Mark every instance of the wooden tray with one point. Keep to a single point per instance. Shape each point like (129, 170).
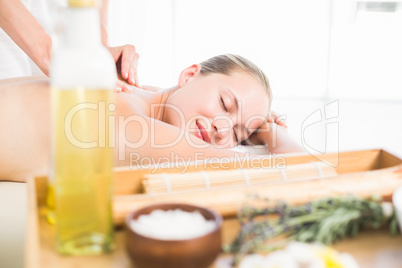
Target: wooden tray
(371, 171)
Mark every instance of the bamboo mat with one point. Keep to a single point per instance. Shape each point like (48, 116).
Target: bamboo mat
(179, 182)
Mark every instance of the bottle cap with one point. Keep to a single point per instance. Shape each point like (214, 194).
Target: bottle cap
(83, 3)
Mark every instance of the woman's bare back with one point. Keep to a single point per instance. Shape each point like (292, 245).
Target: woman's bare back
(24, 123)
(25, 136)
(25, 132)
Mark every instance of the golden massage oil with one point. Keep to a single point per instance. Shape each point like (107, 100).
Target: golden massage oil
(82, 170)
(82, 76)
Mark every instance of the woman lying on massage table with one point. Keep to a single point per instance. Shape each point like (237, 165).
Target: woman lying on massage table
(218, 104)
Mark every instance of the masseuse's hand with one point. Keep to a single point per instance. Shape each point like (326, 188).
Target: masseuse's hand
(126, 59)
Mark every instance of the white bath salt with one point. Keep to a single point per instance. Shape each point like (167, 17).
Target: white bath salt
(172, 224)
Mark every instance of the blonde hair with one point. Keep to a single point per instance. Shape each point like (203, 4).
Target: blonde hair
(228, 63)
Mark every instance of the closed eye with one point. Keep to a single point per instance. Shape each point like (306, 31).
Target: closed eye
(226, 110)
(223, 105)
(236, 138)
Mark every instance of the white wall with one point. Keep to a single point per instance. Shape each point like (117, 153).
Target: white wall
(314, 52)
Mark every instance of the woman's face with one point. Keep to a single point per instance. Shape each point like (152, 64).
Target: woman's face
(220, 109)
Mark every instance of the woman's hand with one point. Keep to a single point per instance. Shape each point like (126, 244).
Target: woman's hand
(126, 59)
(277, 119)
(276, 138)
(262, 135)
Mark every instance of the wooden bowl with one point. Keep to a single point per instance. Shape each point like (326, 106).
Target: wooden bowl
(198, 252)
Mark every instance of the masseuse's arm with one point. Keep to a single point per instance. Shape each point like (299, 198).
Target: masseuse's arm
(26, 32)
(29, 35)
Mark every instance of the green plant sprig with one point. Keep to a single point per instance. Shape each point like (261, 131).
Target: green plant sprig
(326, 221)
